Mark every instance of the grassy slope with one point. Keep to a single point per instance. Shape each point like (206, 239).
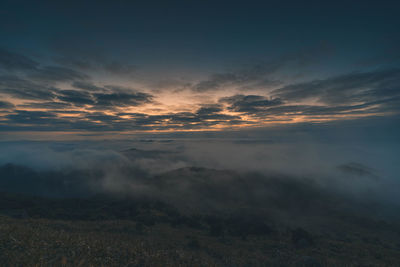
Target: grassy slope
(44, 242)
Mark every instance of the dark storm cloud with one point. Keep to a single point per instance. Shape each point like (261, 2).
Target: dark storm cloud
(348, 88)
(12, 61)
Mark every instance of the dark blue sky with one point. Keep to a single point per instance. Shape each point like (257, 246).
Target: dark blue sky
(239, 63)
(203, 34)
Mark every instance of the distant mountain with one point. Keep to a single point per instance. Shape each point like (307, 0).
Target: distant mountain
(193, 190)
(140, 153)
(71, 183)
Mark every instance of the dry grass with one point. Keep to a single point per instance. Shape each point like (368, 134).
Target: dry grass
(42, 242)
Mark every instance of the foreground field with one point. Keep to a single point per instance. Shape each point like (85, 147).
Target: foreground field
(43, 242)
(198, 217)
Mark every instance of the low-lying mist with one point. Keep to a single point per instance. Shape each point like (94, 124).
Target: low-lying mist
(276, 172)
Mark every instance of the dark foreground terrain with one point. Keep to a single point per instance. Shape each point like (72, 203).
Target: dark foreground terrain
(119, 232)
(189, 217)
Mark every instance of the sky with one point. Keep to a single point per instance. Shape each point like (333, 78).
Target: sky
(302, 90)
(122, 67)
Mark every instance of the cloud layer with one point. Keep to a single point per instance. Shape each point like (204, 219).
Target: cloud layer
(61, 96)
(280, 171)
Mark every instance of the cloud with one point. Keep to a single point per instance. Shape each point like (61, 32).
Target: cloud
(263, 74)
(94, 61)
(122, 99)
(209, 109)
(348, 88)
(57, 74)
(32, 117)
(99, 116)
(24, 120)
(75, 97)
(107, 97)
(365, 93)
(99, 121)
(256, 73)
(13, 62)
(358, 169)
(47, 105)
(86, 86)
(24, 89)
(6, 105)
(207, 116)
(33, 82)
(264, 107)
(357, 94)
(10, 61)
(310, 110)
(293, 171)
(204, 117)
(250, 103)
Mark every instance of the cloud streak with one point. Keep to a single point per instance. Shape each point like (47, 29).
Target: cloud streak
(349, 88)
(52, 96)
